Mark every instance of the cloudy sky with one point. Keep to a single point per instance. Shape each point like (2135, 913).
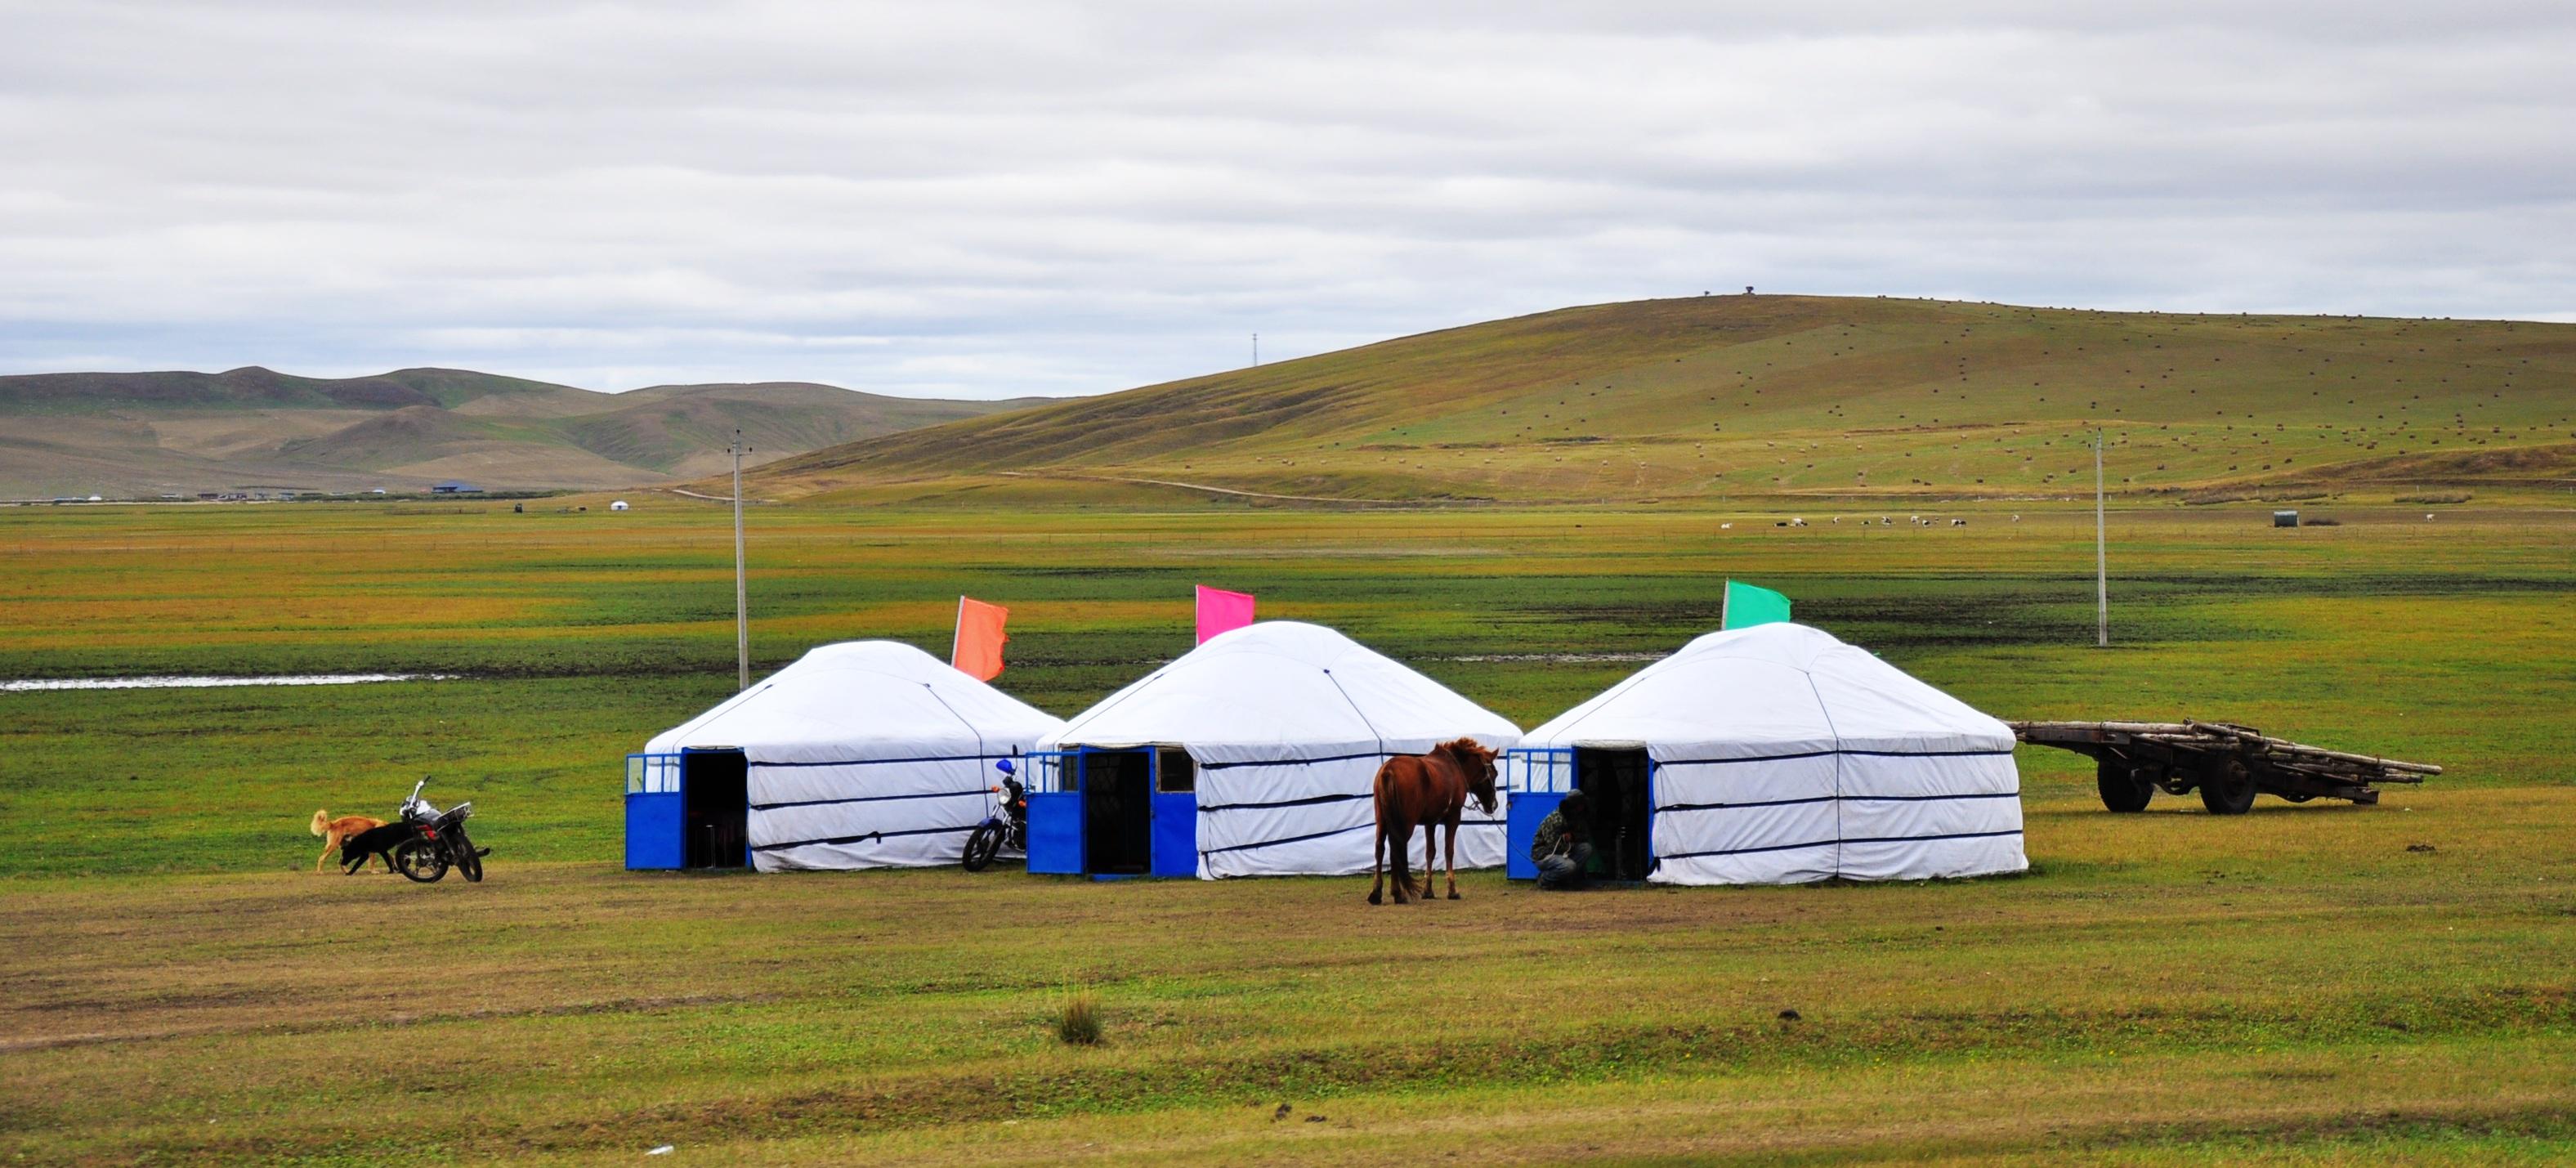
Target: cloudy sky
(992, 199)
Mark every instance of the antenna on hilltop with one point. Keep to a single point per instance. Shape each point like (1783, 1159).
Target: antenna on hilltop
(1256, 350)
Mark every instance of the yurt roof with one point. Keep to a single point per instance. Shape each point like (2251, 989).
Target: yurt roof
(1773, 689)
(863, 700)
(1280, 689)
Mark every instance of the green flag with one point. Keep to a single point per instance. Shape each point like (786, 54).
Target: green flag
(1747, 606)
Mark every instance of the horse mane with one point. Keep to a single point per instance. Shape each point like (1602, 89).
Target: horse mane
(1461, 749)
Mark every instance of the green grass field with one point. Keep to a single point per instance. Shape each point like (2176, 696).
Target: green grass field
(2296, 985)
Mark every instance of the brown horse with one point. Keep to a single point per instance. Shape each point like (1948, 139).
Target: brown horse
(1427, 791)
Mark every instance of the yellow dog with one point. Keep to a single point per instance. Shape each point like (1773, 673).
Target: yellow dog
(333, 831)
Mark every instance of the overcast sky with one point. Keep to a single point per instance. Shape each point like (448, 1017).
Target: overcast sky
(972, 199)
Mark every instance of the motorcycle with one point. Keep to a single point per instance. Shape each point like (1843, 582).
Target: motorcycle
(438, 841)
(1010, 829)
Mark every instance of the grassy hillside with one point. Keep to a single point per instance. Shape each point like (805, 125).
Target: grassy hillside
(252, 387)
(122, 434)
(1772, 395)
(683, 429)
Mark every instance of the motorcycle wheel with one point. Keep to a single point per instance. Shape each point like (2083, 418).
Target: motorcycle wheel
(466, 861)
(420, 860)
(982, 846)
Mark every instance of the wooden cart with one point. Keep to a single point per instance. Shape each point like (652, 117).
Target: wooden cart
(2228, 764)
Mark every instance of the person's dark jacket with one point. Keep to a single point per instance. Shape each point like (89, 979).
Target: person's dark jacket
(1555, 834)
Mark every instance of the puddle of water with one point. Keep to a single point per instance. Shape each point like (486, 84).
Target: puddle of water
(213, 682)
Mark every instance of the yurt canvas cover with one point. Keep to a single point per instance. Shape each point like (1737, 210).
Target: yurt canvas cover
(1284, 725)
(1780, 754)
(860, 755)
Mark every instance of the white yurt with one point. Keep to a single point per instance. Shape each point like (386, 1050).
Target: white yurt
(1777, 754)
(1251, 755)
(863, 754)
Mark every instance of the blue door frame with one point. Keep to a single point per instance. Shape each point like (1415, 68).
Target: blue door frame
(1056, 816)
(1176, 828)
(1538, 778)
(653, 800)
(657, 787)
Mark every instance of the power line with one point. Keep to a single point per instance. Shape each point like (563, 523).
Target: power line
(741, 611)
(2101, 556)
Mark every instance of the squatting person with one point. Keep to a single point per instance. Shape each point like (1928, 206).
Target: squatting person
(1563, 846)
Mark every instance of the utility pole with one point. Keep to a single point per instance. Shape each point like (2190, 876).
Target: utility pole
(2101, 556)
(1256, 350)
(741, 612)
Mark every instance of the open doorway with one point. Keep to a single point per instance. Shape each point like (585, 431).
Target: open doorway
(1118, 811)
(1613, 781)
(715, 809)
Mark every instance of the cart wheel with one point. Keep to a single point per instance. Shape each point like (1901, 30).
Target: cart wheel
(2227, 788)
(420, 860)
(2124, 788)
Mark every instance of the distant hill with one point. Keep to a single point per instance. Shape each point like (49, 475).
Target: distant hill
(1791, 395)
(252, 387)
(123, 434)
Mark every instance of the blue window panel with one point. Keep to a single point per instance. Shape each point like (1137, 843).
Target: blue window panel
(653, 830)
(1176, 834)
(1055, 832)
(1521, 821)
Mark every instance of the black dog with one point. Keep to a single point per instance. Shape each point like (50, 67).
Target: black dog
(375, 841)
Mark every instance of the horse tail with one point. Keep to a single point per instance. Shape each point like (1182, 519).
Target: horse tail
(1377, 829)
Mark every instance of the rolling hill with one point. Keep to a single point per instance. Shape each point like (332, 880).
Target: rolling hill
(1791, 396)
(128, 434)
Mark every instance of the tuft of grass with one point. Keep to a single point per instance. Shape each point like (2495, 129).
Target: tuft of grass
(1079, 1025)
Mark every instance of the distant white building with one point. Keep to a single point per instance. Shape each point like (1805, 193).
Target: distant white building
(619, 505)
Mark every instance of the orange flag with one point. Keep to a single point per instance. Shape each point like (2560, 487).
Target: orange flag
(977, 651)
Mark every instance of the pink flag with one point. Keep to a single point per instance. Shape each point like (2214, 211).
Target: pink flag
(1221, 611)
